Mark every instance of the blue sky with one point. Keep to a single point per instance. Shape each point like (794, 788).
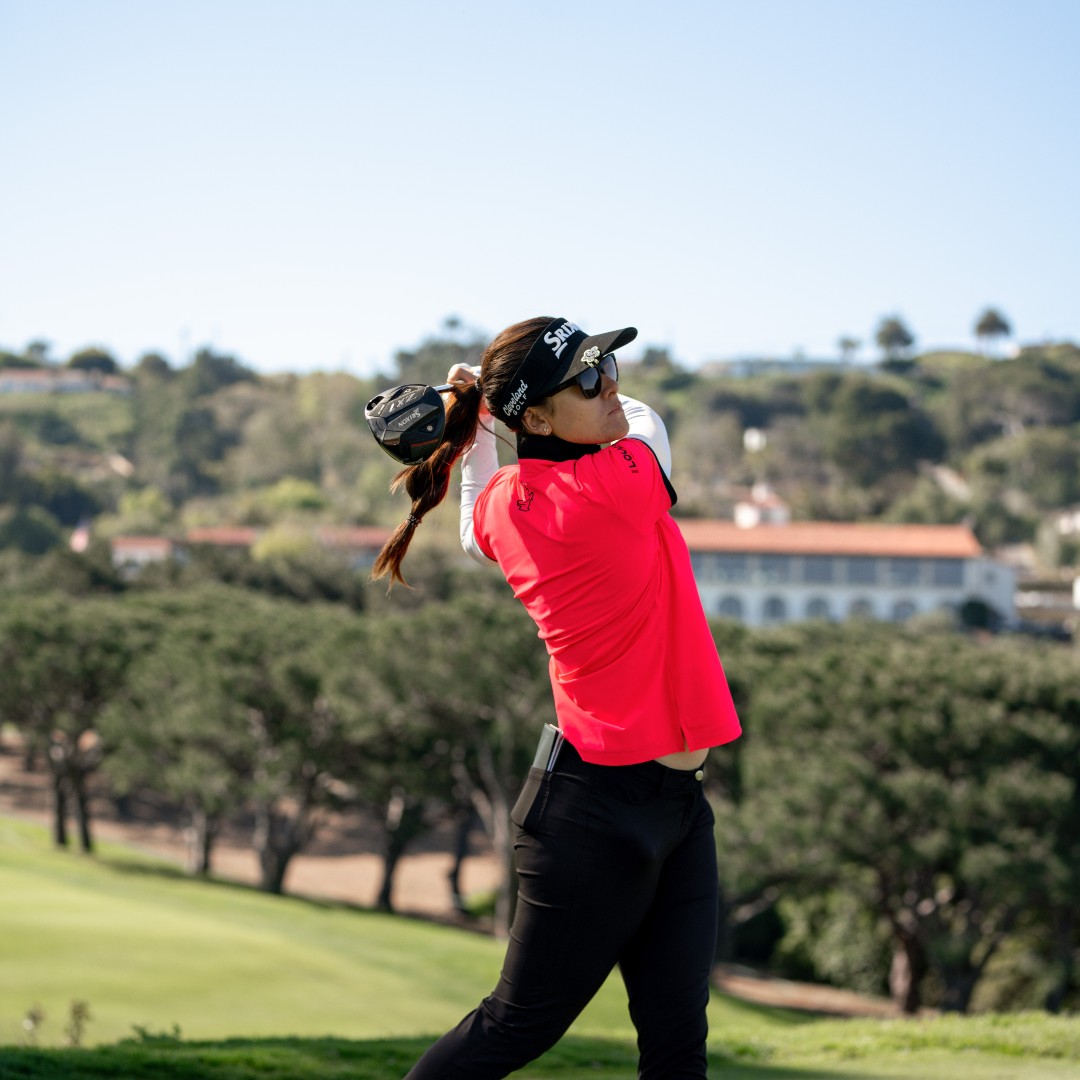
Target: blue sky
(314, 185)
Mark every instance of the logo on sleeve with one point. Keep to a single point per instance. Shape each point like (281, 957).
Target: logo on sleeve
(524, 505)
(627, 457)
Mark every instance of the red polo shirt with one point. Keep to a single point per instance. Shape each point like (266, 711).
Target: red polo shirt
(590, 549)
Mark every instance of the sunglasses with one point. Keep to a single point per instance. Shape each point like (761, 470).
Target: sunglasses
(590, 381)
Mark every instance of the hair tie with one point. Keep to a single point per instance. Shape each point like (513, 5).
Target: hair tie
(412, 520)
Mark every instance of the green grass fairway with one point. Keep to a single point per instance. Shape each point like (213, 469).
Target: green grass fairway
(278, 988)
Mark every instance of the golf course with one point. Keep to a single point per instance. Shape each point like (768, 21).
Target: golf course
(121, 966)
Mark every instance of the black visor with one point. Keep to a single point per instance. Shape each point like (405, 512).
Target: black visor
(562, 351)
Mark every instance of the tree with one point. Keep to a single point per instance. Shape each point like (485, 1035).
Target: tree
(242, 717)
(437, 354)
(210, 371)
(94, 360)
(921, 776)
(483, 681)
(11, 455)
(153, 365)
(167, 733)
(989, 326)
(894, 338)
(63, 665)
(397, 768)
(848, 347)
(871, 430)
(37, 352)
(14, 360)
(32, 530)
(1035, 389)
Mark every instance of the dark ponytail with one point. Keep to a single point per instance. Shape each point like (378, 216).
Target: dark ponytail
(426, 482)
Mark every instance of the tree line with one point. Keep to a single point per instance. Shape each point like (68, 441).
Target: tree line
(932, 437)
(902, 813)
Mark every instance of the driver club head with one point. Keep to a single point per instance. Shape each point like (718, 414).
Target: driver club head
(408, 421)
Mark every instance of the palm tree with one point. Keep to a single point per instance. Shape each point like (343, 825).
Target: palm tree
(991, 324)
(894, 338)
(848, 347)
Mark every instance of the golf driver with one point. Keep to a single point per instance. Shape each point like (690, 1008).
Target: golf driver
(408, 421)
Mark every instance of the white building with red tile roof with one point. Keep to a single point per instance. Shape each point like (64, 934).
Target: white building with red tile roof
(131, 553)
(772, 574)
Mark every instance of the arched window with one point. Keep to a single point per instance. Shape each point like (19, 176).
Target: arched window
(731, 607)
(817, 608)
(775, 609)
(861, 608)
(903, 609)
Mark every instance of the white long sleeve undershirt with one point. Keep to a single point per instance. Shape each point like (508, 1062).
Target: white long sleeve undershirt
(481, 461)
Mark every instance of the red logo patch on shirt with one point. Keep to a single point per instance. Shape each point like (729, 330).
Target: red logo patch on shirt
(524, 504)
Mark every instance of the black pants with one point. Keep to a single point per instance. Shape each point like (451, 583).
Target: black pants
(617, 866)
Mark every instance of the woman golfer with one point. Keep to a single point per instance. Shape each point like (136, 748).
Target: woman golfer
(614, 845)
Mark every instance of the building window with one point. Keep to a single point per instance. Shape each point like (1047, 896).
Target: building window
(774, 569)
(731, 607)
(862, 570)
(817, 608)
(775, 610)
(947, 572)
(861, 609)
(818, 569)
(903, 571)
(730, 567)
(903, 610)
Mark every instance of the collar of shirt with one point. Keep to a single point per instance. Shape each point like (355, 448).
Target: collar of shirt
(552, 448)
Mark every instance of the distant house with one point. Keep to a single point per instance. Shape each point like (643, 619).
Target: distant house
(60, 381)
(771, 574)
(762, 507)
(130, 554)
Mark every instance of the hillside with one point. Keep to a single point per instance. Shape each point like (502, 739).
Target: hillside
(940, 438)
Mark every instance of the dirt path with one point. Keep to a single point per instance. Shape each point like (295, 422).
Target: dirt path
(342, 863)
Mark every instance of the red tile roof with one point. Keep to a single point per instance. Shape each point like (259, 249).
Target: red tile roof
(833, 538)
(141, 543)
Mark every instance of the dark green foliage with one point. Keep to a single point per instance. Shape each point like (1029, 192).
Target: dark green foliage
(872, 430)
(430, 362)
(33, 530)
(312, 575)
(98, 360)
(932, 779)
(231, 708)
(63, 664)
(852, 443)
(894, 338)
(211, 371)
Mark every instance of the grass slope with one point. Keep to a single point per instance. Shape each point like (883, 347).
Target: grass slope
(282, 987)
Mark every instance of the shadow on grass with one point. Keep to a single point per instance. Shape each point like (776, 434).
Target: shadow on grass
(170, 872)
(166, 1058)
